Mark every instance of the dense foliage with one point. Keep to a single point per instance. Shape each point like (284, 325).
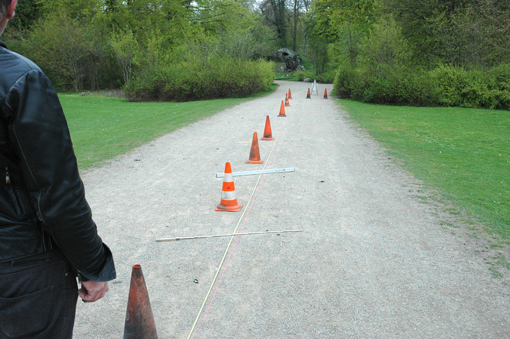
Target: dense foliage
(421, 52)
(217, 77)
(94, 44)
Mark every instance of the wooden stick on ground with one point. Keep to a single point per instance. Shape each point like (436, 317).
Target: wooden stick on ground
(222, 235)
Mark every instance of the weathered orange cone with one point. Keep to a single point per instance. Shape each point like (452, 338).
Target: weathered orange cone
(325, 93)
(286, 101)
(139, 318)
(228, 193)
(268, 135)
(282, 111)
(290, 95)
(254, 152)
(308, 95)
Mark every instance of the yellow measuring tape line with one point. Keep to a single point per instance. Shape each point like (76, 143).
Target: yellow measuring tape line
(232, 238)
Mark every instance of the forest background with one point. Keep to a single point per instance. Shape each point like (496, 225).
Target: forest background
(421, 52)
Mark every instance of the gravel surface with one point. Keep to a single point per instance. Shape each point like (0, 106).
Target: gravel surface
(373, 260)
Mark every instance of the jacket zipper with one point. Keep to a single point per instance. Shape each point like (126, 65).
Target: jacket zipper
(15, 200)
(7, 177)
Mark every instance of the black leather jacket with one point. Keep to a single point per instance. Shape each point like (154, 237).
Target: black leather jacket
(41, 193)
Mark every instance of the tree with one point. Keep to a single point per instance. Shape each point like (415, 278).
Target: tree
(468, 33)
(275, 14)
(495, 16)
(126, 51)
(419, 20)
(326, 16)
(298, 28)
(347, 46)
(27, 14)
(76, 9)
(384, 47)
(65, 49)
(319, 53)
(265, 38)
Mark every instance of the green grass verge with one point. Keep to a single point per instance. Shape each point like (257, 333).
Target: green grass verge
(463, 153)
(102, 128)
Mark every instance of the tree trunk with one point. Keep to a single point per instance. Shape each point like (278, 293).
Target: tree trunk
(304, 42)
(294, 34)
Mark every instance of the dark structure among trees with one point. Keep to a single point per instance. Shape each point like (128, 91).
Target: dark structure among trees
(292, 60)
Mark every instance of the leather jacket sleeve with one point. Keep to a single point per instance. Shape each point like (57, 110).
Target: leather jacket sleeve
(40, 137)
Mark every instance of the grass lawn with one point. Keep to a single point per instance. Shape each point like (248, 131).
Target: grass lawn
(463, 153)
(103, 128)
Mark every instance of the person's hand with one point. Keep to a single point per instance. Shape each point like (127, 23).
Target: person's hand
(91, 291)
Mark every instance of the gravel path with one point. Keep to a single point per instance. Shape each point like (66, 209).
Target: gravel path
(373, 261)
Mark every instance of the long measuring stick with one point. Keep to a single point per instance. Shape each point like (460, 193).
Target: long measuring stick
(222, 235)
(267, 171)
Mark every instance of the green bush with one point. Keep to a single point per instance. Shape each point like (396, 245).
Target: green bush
(384, 73)
(448, 81)
(392, 85)
(302, 75)
(444, 85)
(325, 78)
(474, 89)
(72, 51)
(200, 79)
(343, 84)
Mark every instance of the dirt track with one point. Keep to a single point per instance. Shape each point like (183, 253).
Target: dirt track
(372, 262)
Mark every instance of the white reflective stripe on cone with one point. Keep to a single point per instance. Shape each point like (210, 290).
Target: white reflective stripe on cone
(225, 195)
(228, 177)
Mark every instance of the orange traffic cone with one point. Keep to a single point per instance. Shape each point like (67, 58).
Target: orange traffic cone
(268, 135)
(286, 101)
(325, 93)
(308, 95)
(290, 95)
(282, 111)
(139, 318)
(254, 152)
(228, 193)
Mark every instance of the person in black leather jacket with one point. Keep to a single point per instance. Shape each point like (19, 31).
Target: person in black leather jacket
(47, 234)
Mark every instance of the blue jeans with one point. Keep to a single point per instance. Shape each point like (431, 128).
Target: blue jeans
(38, 297)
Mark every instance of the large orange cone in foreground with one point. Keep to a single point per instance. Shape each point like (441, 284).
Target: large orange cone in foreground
(286, 101)
(139, 318)
(290, 95)
(325, 93)
(268, 135)
(282, 111)
(254, 152)
(308, 95)
(228, 193)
